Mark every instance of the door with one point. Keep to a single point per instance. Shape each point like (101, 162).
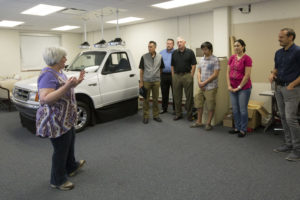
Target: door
(118, 82)
(90, 85)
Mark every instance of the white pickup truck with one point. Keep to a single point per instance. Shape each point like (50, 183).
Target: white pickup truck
(109, 90)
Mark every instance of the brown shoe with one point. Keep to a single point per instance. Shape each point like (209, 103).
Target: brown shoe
(196, 125)
(66, 186)
(208, 127)
(81, 163)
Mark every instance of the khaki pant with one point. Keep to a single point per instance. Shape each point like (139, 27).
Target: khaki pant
(154, 87)
(186, 82)
(207, 95)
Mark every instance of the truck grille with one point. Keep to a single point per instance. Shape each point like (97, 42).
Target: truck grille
(21, 94)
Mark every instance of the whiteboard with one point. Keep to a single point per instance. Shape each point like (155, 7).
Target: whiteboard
(32, 48)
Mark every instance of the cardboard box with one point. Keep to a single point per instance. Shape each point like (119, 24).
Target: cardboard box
(228, 120)
(256, 112)
(254, 118)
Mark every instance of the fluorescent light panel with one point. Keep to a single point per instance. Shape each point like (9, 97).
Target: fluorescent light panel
(178, 3)
(65, 28)
(7, 23)
(125, 20)
(42, 10)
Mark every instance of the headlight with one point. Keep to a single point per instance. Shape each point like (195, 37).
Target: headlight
(33, 96)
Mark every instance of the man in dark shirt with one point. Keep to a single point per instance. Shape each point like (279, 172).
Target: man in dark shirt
(183, 66)
(287, 78)
(151, 66)
(166, 76)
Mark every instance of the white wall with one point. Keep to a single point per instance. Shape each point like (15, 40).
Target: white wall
(10, 62)
(221, 31)
(194, 28)
(71, 42)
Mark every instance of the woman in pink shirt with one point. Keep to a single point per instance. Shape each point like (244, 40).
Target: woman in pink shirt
(239, 86)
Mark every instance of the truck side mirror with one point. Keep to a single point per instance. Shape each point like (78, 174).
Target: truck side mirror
(91, 69)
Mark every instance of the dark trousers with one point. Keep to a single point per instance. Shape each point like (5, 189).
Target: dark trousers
(63, 159)
(165, 85)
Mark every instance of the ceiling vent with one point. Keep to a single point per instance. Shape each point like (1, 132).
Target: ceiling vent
(73, 11)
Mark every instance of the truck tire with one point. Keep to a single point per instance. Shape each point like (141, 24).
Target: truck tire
(84, 116)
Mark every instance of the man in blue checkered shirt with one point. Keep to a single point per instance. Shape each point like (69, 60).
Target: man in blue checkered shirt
(208, 71)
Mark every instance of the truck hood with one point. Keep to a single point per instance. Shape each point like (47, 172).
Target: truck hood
(31, 83)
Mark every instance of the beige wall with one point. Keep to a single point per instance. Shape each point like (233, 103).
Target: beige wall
(10, 62)
(261, 40)
(10, 52)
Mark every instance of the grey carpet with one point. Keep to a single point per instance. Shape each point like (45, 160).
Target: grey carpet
(165, 161)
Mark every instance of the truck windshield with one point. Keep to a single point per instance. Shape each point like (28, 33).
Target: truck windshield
(87, 59)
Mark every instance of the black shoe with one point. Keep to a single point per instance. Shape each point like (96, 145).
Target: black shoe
(233, 131)
(283, 148)
(177, 118)
(157, 119)
(145, 120)
(242, 134)
(293, 156)
(163, 111)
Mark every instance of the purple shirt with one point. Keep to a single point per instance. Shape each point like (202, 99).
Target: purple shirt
(55, 119)
(48, 79)
(237, 70)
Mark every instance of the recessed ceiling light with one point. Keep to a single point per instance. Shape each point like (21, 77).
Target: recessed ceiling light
(42, 10)
(7, 23)
(65, 28)
(125, 20)
(178, 3)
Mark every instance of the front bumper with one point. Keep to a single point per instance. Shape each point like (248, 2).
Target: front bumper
(27, 114)
(27, 110)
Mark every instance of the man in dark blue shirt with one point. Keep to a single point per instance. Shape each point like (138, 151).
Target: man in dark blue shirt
(166, 76)
(287, 78)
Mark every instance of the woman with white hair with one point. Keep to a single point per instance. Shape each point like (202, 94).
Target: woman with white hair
(57, 116)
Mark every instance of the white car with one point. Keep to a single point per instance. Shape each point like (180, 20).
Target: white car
(109, 90)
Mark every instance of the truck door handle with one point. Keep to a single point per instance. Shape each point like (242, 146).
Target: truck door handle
(131, 75)
(92, 84)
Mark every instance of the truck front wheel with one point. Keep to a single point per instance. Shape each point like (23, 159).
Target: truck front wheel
(83, 116)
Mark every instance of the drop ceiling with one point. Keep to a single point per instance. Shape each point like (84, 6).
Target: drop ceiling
(11, 9)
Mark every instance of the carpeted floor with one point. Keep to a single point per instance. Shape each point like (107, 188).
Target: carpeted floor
(127, 160)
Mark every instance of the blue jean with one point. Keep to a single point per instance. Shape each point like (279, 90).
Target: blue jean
(63, 159)
(239, 101)
(287, 102)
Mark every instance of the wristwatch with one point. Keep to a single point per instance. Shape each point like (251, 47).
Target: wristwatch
(239, 87)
